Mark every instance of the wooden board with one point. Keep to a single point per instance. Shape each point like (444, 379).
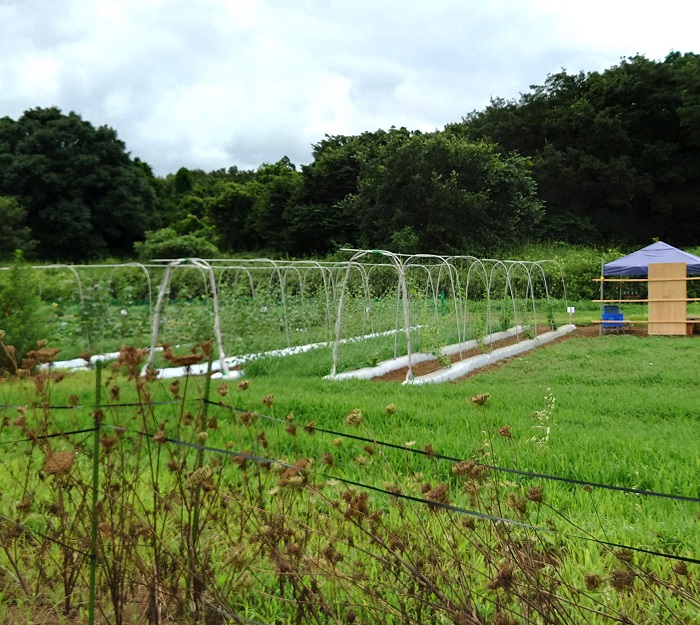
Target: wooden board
(667, 299)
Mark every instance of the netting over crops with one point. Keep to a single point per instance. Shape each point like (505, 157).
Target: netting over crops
(390, 304)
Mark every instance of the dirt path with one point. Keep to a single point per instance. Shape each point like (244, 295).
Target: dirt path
(423, 368)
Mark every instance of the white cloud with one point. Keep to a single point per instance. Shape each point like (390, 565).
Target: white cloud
(240, 82)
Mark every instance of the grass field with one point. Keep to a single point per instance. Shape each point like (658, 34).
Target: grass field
(205, 535)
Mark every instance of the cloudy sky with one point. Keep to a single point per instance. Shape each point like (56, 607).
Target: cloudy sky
(214, 83)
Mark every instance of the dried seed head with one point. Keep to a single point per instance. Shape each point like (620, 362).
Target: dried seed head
(279, 466)
(518, 504)
(392, 488)
(310, 427)
(592, 581)
(43, 354)
(223, 389)
(506, 431)
(481, 399)
(108, 442)
(248, 418)
(294, 481)
(331, 554)
(175, 389)
(182, 361)
(536, 493)
(354, 418)
(439, 493)
(244, 385)
(622, 579)
(242, 460)
(114, 393)
(328, 459)
(268, 400)
(199, 475)
(681, 568)
(337, 442)
(504, 577)
(59, 463)
(202, 437)
(390, 408)
(159, 437)
(500, 618)
(624, 555)
(468, 468)
(105, 529)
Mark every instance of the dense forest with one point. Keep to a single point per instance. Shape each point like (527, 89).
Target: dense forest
(590, 158)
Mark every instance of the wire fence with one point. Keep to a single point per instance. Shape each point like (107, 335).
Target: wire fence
(141, 515)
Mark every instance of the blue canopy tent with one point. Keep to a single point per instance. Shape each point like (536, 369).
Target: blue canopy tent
(637, 263)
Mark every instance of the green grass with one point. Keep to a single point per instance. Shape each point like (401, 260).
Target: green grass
(625, 414)
(625, 407)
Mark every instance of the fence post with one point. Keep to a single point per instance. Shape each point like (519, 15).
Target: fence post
(197, 585)
(95, 488)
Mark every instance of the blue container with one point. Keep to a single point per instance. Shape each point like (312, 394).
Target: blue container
(613, 320)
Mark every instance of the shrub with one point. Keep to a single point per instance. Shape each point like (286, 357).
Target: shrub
(22, 317)
(166, 243)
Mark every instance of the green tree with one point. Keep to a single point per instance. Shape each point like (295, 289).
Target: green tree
(276, 190)
(320, 222)
(229, 213)
(616, 155)
(85, 197)
(15, 234)
(440, 193)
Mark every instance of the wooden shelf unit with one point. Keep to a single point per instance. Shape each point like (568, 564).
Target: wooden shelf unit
(667, 300)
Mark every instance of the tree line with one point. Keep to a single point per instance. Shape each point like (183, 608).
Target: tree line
(588, 158)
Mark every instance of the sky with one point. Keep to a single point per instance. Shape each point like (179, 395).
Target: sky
(210, 84)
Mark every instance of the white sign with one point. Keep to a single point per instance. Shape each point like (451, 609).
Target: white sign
(571, 310)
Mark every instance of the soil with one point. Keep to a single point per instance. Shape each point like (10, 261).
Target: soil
(423, 368)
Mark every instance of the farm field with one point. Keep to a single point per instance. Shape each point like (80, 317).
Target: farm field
(297, 499)
(556, 487)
